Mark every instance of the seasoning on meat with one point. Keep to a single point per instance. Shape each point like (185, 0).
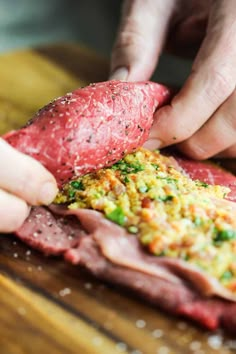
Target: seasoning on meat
(91, 127)
(172, 215)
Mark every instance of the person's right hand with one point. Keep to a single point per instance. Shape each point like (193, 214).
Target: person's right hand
(201, 118)
(23, 182)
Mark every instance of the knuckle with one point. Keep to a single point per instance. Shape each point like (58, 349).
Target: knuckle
(193, 150)
(219, 85)
(131, 38)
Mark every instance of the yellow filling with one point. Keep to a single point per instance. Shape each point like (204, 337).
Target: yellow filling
(171, 214)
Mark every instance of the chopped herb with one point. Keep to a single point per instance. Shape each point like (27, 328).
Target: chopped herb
(98, 194)
(133, 229)
(125, 167)
(166, 198)
(117, 215)
(227, 275)
(186, 257)
(126, 179)
(198, 221)
(224, 235)
(155, 166)
(201, 184)
(77, 185)
(168, 179)
(161, 254)
(71, 193)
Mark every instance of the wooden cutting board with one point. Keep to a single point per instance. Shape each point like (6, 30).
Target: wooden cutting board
(46, 305)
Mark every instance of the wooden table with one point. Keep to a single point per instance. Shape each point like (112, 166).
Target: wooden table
(46, 305)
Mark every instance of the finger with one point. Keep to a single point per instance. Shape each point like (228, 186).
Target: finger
(212, 81)
(13, 211)
(218, 134)
(140, 39)
(25, 177)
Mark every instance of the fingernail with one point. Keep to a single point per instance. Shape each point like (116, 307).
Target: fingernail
(152, 144)
(119, 74)
(48, 193)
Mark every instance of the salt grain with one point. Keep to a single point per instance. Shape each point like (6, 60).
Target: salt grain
(215, 341)
(140, 323)
(157, 333)
(64, 292)
(121, 346)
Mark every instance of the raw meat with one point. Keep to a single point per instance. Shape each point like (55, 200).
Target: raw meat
(91, 127)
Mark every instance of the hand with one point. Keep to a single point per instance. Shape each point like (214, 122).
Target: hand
(23, 182)
(201, 118)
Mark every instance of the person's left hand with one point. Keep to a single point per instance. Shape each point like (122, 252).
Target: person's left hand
(201, 118)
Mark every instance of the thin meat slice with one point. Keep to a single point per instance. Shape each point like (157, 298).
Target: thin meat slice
(125, 250)
(117, 245)
(183, 300)
(52, 234)
(91, 127)
(153, 289)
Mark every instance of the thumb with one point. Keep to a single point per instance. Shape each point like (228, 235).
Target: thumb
(140, 38)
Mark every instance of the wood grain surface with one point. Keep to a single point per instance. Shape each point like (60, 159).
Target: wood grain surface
(49, 306)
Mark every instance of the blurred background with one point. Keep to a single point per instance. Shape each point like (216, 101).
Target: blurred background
(30, 23)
